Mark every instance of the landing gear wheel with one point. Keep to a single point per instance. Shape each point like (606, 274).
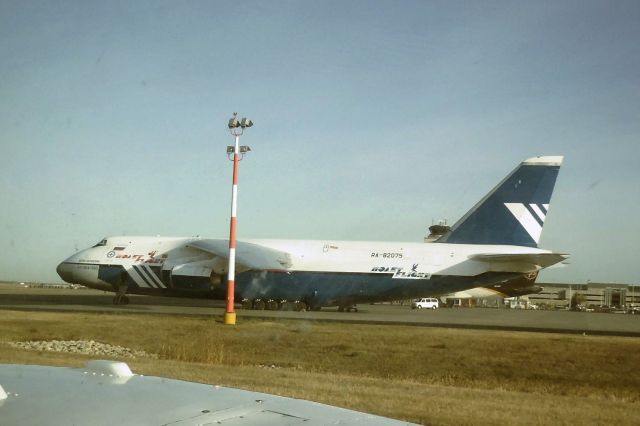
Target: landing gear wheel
(247, 304)
(272, 305)
(258, 305)
(315, 308)
(300, 306)
(120, 300)
(286, 306)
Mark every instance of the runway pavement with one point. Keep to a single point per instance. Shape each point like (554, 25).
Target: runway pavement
(85, 300)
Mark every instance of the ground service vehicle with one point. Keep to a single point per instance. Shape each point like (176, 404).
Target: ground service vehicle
(426, 303)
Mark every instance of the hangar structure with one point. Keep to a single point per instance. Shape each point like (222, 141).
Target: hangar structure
(558, 295)
(610, 295)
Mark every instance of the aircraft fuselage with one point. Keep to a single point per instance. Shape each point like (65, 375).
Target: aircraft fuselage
(320, 273)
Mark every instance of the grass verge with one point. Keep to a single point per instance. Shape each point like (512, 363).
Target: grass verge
(423, 375)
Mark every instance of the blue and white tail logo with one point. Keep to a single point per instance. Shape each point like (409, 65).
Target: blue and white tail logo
(531, 217)
(513, 213)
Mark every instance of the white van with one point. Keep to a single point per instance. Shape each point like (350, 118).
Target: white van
(425, 302)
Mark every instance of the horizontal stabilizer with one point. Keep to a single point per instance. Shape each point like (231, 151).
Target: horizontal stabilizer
(519, 262)
(251, 256)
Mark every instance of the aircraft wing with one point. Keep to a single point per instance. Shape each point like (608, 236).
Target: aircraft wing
(108, 393)
(519, 262)
(249, 255)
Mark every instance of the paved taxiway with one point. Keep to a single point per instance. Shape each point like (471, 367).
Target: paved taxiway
(15, 297)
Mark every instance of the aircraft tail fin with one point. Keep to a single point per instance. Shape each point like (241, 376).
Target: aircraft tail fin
(513, 213)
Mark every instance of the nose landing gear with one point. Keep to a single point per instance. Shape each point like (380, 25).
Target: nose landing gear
(120, 297)
(121, 300)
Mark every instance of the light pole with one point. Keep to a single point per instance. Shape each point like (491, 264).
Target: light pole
(236, 127)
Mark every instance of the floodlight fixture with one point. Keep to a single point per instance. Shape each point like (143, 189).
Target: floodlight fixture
(230, 149)
(233, 121)
(237, 126)
(244, 149)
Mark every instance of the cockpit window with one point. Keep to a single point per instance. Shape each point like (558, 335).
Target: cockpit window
(101, 243)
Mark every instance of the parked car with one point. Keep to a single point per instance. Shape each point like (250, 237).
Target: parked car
(425, 302)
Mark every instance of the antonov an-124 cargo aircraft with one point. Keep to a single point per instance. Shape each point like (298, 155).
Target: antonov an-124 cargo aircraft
(495, 242)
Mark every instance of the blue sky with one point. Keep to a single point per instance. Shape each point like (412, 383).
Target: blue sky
(372, 120)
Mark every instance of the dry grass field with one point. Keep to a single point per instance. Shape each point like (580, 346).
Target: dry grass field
(423, 375)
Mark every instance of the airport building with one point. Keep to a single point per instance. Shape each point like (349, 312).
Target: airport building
(555, 296)
(610, 295)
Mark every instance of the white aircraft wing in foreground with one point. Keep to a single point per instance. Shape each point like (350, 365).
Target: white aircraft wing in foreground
(108, 393)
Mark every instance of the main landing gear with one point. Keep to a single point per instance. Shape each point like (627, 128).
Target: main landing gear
(274, 305)
(288, 305)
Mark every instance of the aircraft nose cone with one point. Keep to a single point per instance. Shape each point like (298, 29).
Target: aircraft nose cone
(64, 270)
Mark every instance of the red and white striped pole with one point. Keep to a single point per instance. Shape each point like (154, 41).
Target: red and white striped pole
(237, 128)
(230, 314)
